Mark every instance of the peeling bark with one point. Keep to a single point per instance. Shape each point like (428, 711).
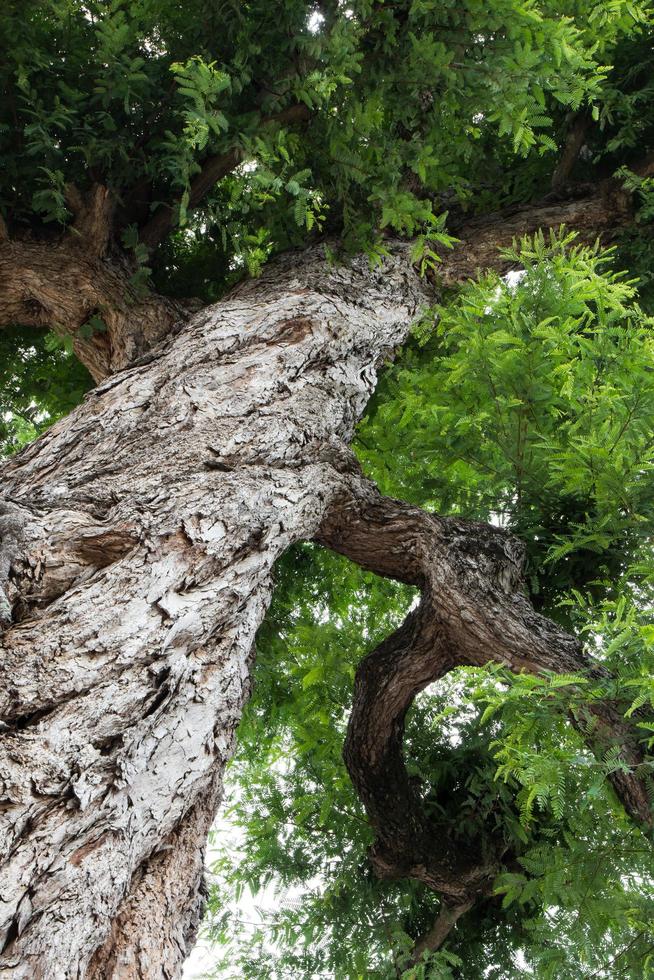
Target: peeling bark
(158, 920)
(139, 535)
(137, 542)
(62, 284)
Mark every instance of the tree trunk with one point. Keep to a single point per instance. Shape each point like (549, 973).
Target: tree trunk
(138, 539)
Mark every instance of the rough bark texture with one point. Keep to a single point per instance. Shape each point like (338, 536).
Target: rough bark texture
(169, 883)
(598, 211)
(473, 612)
(61, 285)
(139, 536)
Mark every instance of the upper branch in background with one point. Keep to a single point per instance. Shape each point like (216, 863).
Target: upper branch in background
(82, 284)
(213, 169)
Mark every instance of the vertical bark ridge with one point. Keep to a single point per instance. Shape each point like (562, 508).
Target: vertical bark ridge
(65, 286)
(157, 922)
(137, 539)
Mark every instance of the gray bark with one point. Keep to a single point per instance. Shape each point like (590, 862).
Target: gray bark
(138, 539)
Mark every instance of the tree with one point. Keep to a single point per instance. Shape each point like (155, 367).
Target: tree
(508, 411)
(154, 151)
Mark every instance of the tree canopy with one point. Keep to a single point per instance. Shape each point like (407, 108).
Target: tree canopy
(360, 117)
(225, 132)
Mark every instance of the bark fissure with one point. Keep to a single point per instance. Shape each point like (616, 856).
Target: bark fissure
(137, 541)
(136, 577)
(64, 285)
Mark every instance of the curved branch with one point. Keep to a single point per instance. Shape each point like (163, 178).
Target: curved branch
(213, 169)
(473, 612)
(64, 285)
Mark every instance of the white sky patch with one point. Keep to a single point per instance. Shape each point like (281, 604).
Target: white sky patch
(315, 22)
(250, 911)
(513, 278)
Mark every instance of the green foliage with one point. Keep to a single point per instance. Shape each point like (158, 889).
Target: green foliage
(409, 100)
(529, 404)
(40, 381)
(624, 112)
(643, 189)
(532, 403)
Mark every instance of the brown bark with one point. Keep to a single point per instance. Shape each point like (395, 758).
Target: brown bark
(159, 917)
(93, 218)
(473, 612)
(598, 212)
(212, 170)
(138, 540)
(61, 285)
(579, 125)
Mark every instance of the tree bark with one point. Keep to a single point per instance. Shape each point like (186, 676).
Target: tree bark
(138, 539)
(62, 285)
(473, 612)
(445, 921)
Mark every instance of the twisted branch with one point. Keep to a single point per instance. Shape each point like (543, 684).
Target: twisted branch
(473, 611)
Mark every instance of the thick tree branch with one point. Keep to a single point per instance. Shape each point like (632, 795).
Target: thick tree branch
(473, 612)
(64, 285)
(93, 218)
(213, 169)
(601, 211)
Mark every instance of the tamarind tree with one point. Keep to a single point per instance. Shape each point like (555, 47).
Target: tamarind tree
(219, 222)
